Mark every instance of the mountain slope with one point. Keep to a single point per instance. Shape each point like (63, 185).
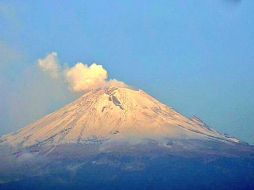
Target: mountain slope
(122, 138)
(112, 114)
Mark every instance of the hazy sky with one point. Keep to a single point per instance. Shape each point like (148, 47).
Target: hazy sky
(196, 56)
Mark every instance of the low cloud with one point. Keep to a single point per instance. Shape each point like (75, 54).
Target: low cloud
(9, 56)
(30, 96)
(79, 78)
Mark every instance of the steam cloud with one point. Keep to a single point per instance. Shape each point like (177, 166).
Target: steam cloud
(80, 77)
(50, 64)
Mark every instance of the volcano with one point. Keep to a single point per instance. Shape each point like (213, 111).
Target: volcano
(119, 137)
(113, 114)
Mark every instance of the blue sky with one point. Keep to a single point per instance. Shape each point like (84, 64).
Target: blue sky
(196, 56)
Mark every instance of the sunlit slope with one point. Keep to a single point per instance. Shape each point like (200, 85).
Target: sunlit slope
(113, 114)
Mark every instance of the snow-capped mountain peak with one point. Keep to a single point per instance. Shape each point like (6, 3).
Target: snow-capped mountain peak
(112, 113)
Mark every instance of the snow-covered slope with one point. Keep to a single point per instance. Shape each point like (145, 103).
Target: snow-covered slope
(112, 114)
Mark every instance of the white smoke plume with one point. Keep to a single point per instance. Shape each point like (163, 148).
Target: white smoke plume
(80, 78)
(50, 64)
